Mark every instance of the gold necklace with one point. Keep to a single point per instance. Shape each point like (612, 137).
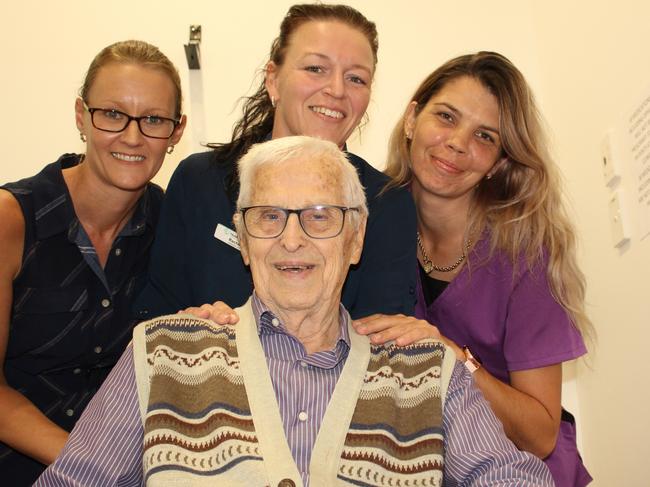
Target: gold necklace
(430, 266)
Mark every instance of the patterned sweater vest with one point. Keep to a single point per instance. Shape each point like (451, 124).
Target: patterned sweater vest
(210, 414)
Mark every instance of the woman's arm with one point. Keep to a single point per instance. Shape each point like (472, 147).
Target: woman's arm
(477, 452)
(219, 312)
(22, 425)
(529, 407)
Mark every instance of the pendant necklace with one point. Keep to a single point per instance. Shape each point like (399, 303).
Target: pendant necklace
(430, 266)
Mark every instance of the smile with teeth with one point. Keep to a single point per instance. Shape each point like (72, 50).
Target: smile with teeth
(293, 267)
(127, 157)
(327, 112)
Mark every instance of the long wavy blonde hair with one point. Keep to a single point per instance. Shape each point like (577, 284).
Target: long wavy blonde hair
(521, 205)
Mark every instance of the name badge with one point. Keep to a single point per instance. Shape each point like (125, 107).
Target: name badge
(227, 235)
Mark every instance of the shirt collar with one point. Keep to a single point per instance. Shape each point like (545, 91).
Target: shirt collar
(53, 208)
(267, 321)
(56, 213)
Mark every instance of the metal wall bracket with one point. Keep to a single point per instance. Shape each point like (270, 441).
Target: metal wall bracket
(192, 51)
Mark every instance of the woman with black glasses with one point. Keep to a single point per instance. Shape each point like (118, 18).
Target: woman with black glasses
(75, 240)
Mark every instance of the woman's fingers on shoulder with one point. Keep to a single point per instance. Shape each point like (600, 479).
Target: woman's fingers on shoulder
(219, 312)
(377, 322)
(383, 328)
(404, 330)
(367, 319)
(412, 336)
(435, 331)
(199, 312)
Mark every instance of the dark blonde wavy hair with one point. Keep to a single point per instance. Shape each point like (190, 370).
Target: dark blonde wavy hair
(521, 204)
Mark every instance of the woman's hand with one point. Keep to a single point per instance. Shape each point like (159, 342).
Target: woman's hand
(404, 330)
(219, 312)
(529, 408)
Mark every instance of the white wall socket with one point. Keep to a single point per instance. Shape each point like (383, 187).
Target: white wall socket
(610, 160)
(617, 220)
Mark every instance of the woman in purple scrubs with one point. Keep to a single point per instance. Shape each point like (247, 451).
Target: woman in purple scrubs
(497, 259)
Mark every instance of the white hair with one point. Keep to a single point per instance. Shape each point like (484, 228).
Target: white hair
(277, 151)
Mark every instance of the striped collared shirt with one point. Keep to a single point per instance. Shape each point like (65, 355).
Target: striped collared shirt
(303, 384)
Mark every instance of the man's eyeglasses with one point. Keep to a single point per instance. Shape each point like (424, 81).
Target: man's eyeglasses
(318, 221)
(110, 120)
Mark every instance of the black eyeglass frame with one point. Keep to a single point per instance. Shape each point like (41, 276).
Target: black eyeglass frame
(298, 212)
(129, 119)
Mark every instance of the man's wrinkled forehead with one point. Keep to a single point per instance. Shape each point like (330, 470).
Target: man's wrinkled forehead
(317, 175)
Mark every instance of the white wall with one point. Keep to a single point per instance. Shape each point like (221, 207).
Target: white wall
(579, 57)
(45, 58)
(595, 68)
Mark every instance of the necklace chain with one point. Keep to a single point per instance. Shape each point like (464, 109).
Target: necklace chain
(430, 266)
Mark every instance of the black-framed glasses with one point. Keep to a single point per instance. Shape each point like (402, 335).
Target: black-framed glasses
(318, 221)
(110, 120)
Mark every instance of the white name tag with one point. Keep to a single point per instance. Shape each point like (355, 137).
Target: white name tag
(227, 235)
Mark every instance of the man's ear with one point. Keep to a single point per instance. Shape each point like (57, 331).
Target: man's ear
(241, 234)
(357, 241)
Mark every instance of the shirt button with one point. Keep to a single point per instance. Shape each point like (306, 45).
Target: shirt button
(286, 483)
(106, 302)
(76, 371)
(303, 416)
(303, 364)
(118, 252)
(69, 412)
(275, 322)
(98, 349)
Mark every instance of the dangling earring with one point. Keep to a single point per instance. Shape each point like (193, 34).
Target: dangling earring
(170, 149)
(82, 137)
(273, 101)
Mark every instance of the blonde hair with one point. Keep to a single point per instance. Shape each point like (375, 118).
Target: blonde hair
(134, 52)
(521, 204)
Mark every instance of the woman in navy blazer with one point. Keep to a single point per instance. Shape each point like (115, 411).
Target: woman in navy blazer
(317, 82)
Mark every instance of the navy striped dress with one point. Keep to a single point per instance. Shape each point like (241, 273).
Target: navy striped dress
(71, 319)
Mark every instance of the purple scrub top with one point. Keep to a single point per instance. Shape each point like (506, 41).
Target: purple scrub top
(510, 323)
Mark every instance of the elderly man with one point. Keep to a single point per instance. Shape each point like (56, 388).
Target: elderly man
(291, 395)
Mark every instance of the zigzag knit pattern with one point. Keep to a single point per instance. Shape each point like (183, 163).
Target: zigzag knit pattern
(198, 421)
(185, 429)
(391, 440)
